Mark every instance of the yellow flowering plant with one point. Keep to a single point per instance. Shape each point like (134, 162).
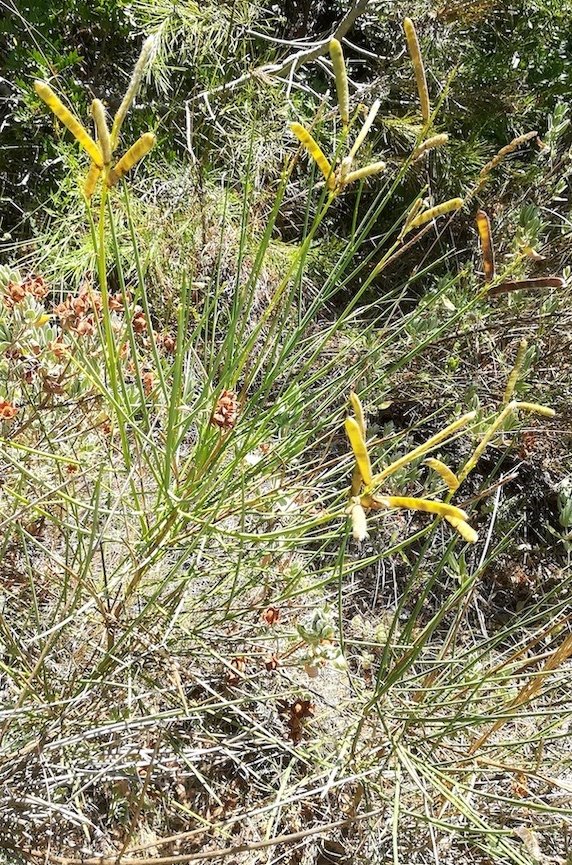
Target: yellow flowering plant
(364, 492)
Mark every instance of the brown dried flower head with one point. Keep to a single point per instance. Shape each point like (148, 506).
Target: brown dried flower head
(270, 615)
(35, 285)
(7, 410)
(226, 410)
(15, 293)
(148, 381)
(139, 323)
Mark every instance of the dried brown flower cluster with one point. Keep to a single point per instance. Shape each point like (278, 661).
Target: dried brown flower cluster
(80, 312)
(166, 341)
(16, 292)
(226, 410)
(7, 410)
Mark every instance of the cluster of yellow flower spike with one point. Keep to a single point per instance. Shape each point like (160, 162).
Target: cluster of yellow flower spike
(364, 486)
(338, 177)
(101, 151)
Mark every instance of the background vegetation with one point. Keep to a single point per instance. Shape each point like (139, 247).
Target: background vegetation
(197, 657)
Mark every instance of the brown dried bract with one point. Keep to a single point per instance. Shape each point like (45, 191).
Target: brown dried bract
(270, 615)
(139, 322)
(35, 285)
(226, 410)
(166, 341)
(296, 713)
(15, 293)
(7, 410)
(148, 381)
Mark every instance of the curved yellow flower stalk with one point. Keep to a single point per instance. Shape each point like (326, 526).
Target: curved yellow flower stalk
(366, 171)
(357, 406)
(358, 518)
(443, 434)
(70, 121)
(509, 409)
(355, 402)
(505, 151)
(449, 206)
(430, 144)
(485, 236)
(315, 151)
(359, 449)
(135, 153)
(101, 152)
(132, 89)
(466, 531)
(355, 430)
(411, 503)
(444, 472)
(367, 124)
(516, 370)
(535, 408)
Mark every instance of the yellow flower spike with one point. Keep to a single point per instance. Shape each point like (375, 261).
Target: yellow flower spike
(449, 206)
(485, 236)
(516, 370)
(359, 521)
(69, 120)
(315, 152)
(372, 114)
(135, 153)
(341, 75)
(91, 180)
(427, 446)
(466, 531)
(366, 171)
(505, 151)
(430, 144)
(132, 90)
(359, 448)
(355, 402)
(444, 472)
(357, 406)
(481, 447)
(103, 139)
(535, 408)
(428, 506)
(418, 68)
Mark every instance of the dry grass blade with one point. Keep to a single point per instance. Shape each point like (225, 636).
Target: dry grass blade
(218, 853)
(558, 657)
